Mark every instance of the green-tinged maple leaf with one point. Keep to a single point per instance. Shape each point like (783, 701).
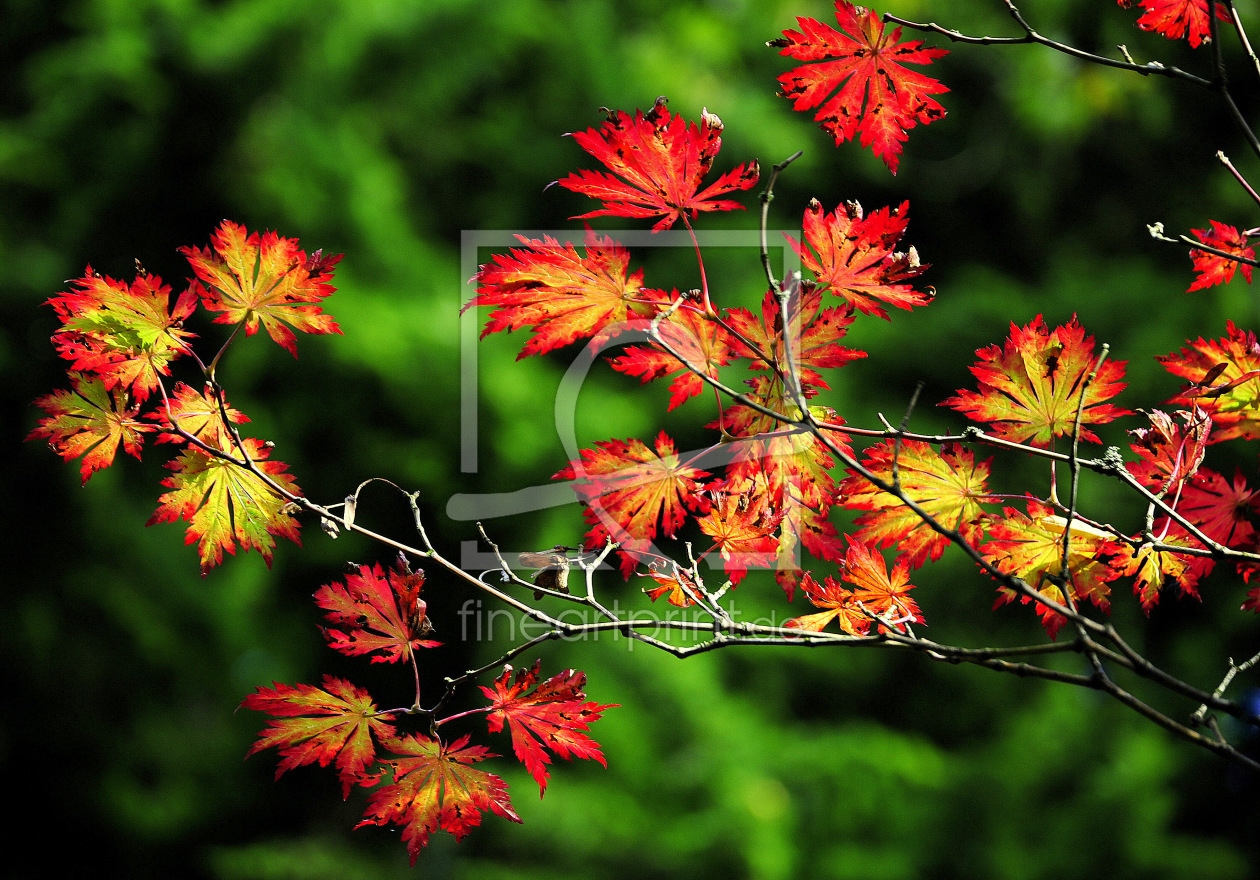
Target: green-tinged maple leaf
(1153, 569)
(628, 489)
(548, 717)
(384, 614)
(812, 337)
(1170, 453)
(329, 725)
(659, 163)
(876, 98)
(852, 255)
(264, 279)
(127, 334)
(1031, 548)
(1225, 381)
(1175, 19)
(702, 342)
(560, 294)
(90, 421)
(200, 414)
(1031, 388)
(743, 533)
(226, 505)
(1214, 269)
(948, 484)
(434, 787)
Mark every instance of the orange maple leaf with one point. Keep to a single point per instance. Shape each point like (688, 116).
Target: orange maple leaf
(879, 596)
(1171, 454)
(560, 294)
(803, 341)
(333, 724)
(265, 280)
(553, 715)
(628, 488)
(743, 533)
(837, 603)
(661, 162)
(433, 787)
(875, 97)
(701, 341)
(1153, 569)
(1030, 388)
(851, 253)
(200, 414)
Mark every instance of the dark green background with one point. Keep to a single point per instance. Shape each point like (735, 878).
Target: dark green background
(382, 129)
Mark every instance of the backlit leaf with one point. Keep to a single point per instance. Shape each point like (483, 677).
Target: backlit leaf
(876, 97)
(659, 163)
(263, 279)
(548, 717)
(434, 787)
(334, 724)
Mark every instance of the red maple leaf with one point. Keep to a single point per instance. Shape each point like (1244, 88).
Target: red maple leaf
(1222, 509)
(226, 505)
(703, 343)
(329, 725)
(852, 255)
(1030, 388)
(743, 533)
(90, 421)
(1170, 453)
(384, 614)
(434, 787)
(552, 716)
(1225, 381)
(561, 295)
(125, 334)
(628, 489)
(263, 279)
(1214, 269)
(948, 484)
(1175, 19)
(661, 162)
(877, 99)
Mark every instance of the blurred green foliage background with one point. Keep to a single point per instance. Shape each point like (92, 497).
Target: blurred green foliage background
(384, 129)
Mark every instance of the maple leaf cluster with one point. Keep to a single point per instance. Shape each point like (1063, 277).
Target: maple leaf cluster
(774, 490)
(420, 782)
(764, 490)
(120, 341)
